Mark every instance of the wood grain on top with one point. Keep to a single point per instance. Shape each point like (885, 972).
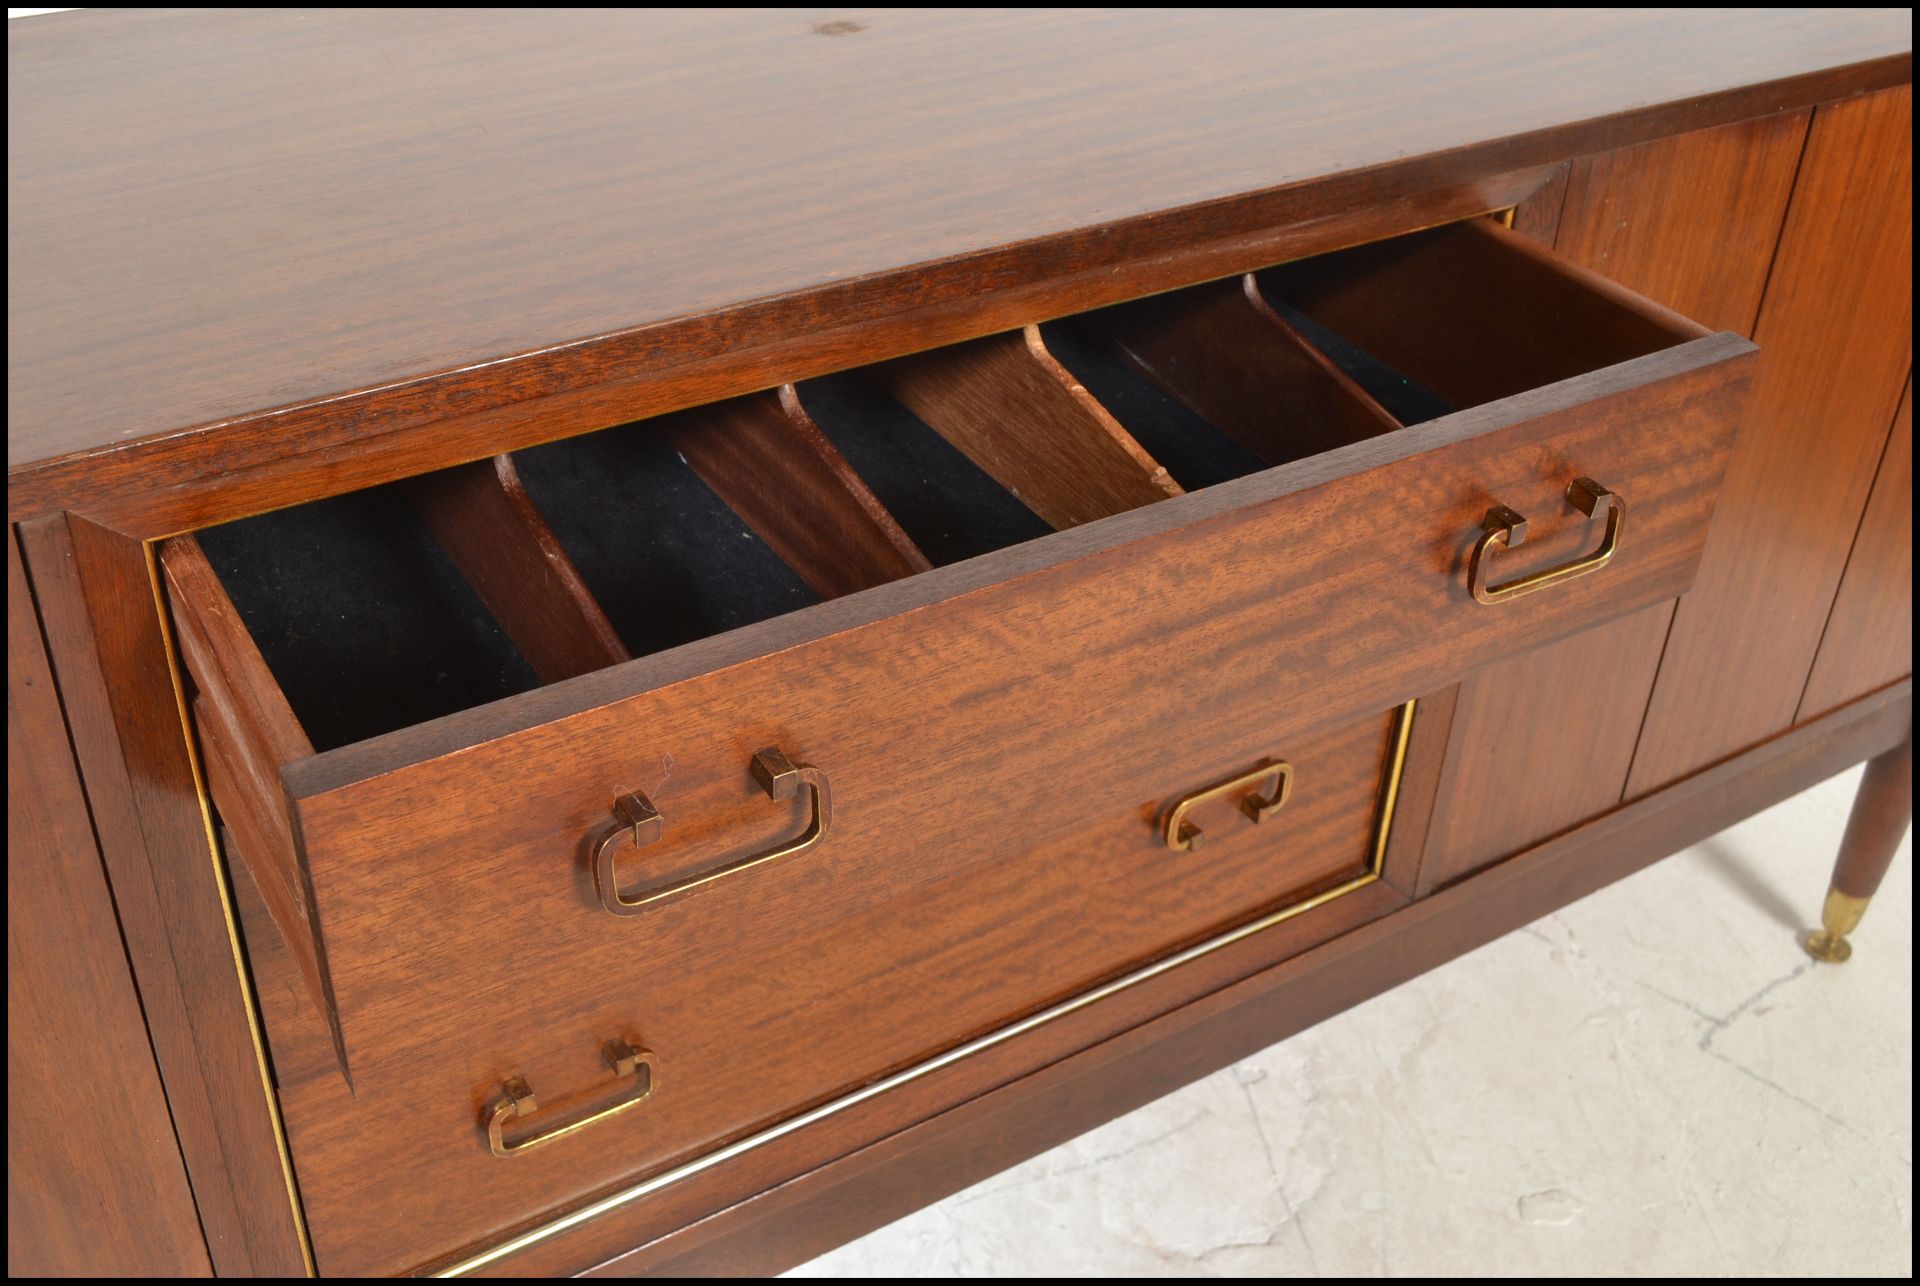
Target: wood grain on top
(216, 214)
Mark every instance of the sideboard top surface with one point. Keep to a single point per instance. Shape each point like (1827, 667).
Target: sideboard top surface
(270, 218)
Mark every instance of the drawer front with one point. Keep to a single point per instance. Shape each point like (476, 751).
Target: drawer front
(751, 1011)
(1001, 741)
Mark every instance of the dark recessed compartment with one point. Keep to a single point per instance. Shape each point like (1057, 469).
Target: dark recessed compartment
(364, 620)
(1467, 314)
(950, 507)
(1194, 452)
(1216, 382)
(394, 606)
(1404, 399)
(664, 556)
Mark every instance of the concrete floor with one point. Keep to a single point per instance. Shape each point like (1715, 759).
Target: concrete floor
(1654, 1081)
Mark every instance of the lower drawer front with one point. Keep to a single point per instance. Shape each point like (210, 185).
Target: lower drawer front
(745, 1010)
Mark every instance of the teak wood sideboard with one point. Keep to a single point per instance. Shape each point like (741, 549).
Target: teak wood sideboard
(638, 641)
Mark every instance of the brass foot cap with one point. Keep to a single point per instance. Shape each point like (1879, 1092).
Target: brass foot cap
(1828, 947)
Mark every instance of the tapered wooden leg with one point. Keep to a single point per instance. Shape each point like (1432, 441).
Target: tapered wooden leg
(1881, 812)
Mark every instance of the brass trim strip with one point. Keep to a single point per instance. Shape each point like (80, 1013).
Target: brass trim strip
(226, 906)
(979, 1044)
(1390, 799)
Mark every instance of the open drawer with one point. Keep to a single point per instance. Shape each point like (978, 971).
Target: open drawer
(800, 739)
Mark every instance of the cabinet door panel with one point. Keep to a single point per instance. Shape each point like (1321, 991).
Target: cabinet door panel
(1869, 638)
(1691, 223)
(1836, 336)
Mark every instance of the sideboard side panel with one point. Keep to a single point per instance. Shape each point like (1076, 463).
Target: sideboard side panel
(109, 648)
(1836, 340)
(95, 1184)
(1544, 740)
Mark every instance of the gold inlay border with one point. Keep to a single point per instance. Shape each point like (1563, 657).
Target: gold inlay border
(174, 671)
(1389, 801)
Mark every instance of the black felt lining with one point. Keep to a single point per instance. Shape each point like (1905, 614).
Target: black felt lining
(1188, 447)
(1400, 397)
(667, 559)
(946, 503)
(363, 619)
(369, 627)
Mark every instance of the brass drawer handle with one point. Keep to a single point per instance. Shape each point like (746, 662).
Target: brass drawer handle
(641, 822)
(1182, 836)
(1505, 527)
(517, 1102)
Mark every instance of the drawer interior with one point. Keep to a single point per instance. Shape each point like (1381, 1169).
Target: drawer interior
(367, 623)
(1473, 318)
(659, 550)
(947, 505)
(372, 611)
(331, 623)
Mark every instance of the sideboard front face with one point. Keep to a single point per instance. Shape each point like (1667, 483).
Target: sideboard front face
(677, 816)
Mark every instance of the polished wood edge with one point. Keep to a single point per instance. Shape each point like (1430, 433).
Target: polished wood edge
(827, 1206)
(212, 473)
(215, 645)
(244, 731)
(223, 883)
(250, 1000)
(1209, 239)
(334, 768)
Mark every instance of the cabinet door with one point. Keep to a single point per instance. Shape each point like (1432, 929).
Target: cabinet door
(1836, 337)
(1869, 639)
(1690, 222)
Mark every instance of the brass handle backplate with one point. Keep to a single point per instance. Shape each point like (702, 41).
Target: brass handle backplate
(641, 823)
(1505, 528)
(1267, 786)
(633, 1074)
